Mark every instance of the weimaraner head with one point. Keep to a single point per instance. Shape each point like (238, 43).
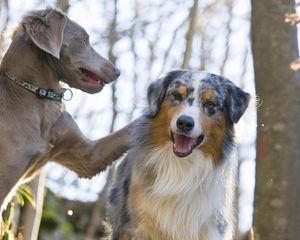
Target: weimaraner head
(76, 62)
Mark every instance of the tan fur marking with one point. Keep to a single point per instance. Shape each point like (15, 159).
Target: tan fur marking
(160, 131)
(207, 95)
(215, 130)
(144, 223)
(182, 90)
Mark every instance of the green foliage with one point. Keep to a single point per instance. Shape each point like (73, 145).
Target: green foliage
(67, 230)
(23, 193)
(53, 220)
(57, 222)
(8, 222)
(49, 217)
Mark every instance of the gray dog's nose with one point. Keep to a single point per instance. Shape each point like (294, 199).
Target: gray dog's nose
(185, 123)
(117, 72)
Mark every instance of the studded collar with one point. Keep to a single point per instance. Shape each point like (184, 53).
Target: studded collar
(43, 93)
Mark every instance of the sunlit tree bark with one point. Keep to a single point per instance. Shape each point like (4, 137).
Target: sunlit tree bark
(190, 34)
(4, 11)
(32, 215)
(274, 45)
(64, 5)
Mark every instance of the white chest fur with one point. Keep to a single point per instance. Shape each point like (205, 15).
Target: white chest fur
(189, 194)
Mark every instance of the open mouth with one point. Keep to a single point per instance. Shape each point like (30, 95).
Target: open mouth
(184, 145)
(92, 80)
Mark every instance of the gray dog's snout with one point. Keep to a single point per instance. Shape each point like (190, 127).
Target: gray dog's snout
(185, 123)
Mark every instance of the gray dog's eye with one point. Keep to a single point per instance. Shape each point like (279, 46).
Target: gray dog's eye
(85, 39)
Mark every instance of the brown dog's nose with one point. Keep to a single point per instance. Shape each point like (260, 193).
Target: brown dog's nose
(185, 123)
(117, 72)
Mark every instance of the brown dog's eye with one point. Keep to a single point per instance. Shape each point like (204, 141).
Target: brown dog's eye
(210, 107)
(210, 104)
(176, 98)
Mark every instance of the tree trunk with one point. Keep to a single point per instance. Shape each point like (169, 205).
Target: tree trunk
(98, 216)
(32, 216)
(63, 5)
(190, 34)
(277, 195)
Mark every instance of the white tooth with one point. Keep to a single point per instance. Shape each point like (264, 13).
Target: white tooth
(174, 145)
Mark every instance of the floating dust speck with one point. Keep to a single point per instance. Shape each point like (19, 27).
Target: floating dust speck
(259, 101)
(70, 212)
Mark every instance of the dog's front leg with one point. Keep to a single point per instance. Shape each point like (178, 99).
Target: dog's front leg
(85, 157)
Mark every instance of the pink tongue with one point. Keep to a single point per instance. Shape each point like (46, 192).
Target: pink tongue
(183, 144)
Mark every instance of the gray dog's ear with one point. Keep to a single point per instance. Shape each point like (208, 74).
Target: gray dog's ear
(156, 94)
(236, 100)
(46, 30)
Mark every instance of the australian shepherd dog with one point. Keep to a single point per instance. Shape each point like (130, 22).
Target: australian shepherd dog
(177, 181)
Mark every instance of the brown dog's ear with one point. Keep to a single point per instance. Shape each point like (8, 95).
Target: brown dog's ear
(237, 101)
(156, 94)
(157, 91)
(46, 30)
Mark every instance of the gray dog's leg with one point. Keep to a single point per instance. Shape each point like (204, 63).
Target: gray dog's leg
(85, 157)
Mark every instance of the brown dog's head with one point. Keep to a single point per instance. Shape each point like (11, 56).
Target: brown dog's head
(195, 111)
(78, 64)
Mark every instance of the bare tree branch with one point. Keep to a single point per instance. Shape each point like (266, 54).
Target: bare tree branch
(97, 217)
(203, 50)
(245, 67)
(229, 5)
(113, 38)
(135, 59)
(190, 34)
(4, 11)
(167, 52)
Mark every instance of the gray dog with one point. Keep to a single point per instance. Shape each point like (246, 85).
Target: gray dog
(48, 47)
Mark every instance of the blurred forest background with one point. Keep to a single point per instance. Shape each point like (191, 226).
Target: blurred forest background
(250, 42)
